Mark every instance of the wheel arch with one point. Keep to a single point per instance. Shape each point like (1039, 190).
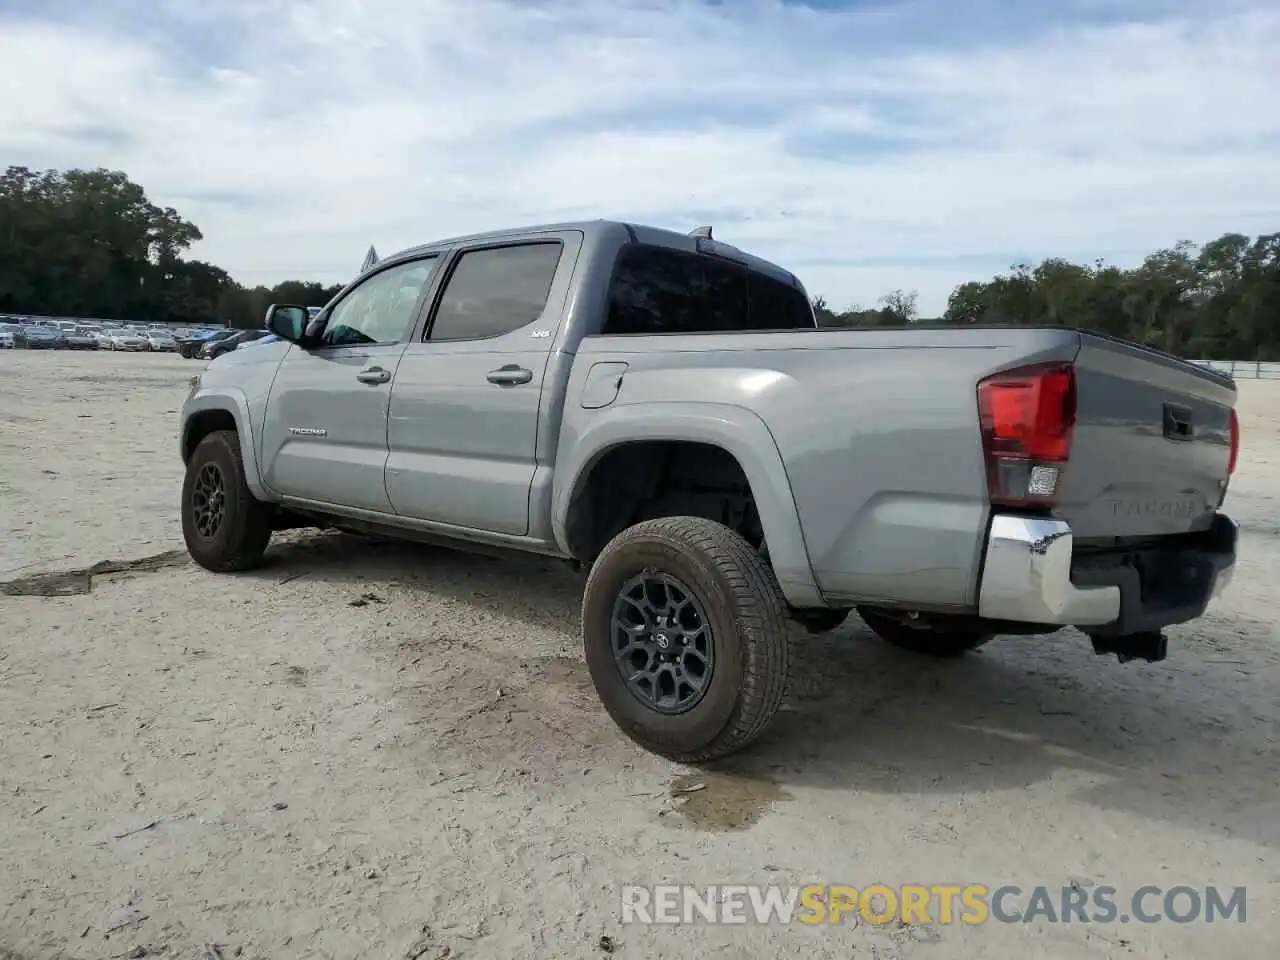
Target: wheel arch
(736, 431)
(205, 413)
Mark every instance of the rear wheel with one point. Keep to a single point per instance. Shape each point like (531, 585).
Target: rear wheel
(686, 637)
(933, 638)
(226, 528)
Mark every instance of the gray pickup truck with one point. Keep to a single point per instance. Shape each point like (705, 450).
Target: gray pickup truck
(661, 409)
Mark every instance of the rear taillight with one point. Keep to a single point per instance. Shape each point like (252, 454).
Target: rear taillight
(1235, 443)
(1026, 417)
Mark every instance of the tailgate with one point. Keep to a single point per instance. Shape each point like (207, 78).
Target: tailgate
(1151, 445)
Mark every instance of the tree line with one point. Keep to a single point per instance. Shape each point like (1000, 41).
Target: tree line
(1217, 301)
(90, 243)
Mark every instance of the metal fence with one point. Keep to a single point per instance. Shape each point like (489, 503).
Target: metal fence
(1245, 369)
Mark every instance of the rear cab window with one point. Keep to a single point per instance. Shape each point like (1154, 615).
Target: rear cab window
(662, 290)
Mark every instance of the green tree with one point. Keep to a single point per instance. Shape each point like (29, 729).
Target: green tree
(899, 306)
(1219, 301)
(90, 243)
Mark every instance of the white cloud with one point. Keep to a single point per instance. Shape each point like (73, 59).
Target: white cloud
(873, 137)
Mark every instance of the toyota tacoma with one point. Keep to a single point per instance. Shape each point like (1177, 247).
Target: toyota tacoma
(663, 410)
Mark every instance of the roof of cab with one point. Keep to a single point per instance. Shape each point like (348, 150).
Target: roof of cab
(593, 229)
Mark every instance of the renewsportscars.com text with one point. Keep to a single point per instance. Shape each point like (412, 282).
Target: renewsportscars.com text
(930, 904)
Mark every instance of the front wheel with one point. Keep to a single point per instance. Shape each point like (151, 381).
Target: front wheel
(226, 528)
(685, 635)
(935, 638)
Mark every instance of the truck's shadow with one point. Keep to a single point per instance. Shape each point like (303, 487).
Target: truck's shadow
(1184, 741)
(540, 591)
(1190, 740)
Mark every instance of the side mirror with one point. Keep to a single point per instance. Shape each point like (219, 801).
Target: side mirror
(287, 321)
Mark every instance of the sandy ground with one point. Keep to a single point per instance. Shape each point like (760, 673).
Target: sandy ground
(371, 750)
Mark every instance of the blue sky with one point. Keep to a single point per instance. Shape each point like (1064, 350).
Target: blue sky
(868, 146)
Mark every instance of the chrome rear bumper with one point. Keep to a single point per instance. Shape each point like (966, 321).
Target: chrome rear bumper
(1026, 577)
(1029, 576)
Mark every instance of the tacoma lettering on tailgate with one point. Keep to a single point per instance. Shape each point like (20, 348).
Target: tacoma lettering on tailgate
(1171, 509)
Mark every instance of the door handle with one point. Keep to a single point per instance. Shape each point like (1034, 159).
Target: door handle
(510, 375)
(373, 375)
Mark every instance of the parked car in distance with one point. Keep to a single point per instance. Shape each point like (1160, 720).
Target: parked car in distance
(80, 339)
(7, 340)
(189, 346)
(128, 341)
(216, 348)
(161, 342)
(663, 411)
(43, 337)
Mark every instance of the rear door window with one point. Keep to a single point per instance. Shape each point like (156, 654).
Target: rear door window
(496, 290)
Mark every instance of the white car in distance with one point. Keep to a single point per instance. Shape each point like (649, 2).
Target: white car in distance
(129, 341)
(161, 342)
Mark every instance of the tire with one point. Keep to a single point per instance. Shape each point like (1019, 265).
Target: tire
(238, 540)
(738, 602)
(946, 642)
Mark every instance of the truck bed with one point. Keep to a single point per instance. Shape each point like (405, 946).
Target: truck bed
(880, 435)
